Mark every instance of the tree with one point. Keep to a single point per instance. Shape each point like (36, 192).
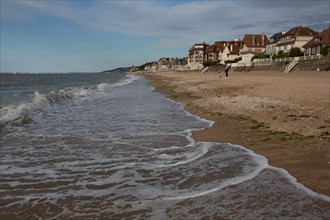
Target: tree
(234, 61)
(280, 54)
(325, 49)
(295, 52)
(259, 56)
(209, 63)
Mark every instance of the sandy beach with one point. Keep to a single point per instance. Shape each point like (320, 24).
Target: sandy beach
(283, 116)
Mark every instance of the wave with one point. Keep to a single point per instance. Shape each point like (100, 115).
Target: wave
(261, 164)
(20, 114)
(204, 149)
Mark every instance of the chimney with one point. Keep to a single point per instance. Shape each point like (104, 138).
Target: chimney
(253, 40)
(263, 40)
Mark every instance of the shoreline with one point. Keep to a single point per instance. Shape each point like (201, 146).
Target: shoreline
(244, 113)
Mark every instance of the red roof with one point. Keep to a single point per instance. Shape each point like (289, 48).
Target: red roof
(300, 31)
(255, 40)
(211, 49)
(325, 36)
(322, 38)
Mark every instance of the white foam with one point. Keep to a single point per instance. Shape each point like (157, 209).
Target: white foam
(129, 80)
(103, 86)
(14, 112)
(263, 164)
(205, 146)
(294, 181)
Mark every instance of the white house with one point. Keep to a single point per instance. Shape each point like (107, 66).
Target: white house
(295, 37)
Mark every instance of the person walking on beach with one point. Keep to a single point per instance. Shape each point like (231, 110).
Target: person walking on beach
(227, 69)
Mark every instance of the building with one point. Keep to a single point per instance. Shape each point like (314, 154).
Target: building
(196, 56)
(271, 47)
(229, 50)
(314, 46)
(295, 37)
(252, 44)
(211, 53)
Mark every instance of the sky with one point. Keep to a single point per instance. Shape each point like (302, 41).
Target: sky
(98, 35)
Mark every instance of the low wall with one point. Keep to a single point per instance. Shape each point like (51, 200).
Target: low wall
(303, 65)
(313, 65)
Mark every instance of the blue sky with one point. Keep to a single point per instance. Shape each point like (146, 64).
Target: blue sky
(97, 35)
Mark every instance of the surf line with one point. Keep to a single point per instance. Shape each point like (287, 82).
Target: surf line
(232, 181)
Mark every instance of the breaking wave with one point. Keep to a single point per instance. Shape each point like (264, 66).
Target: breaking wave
(20, 113)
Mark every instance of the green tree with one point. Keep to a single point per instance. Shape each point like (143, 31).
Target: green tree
(259, 56)
(209, 63)
(280, 54)
(325, 49)
(234, 61)
(295, 52)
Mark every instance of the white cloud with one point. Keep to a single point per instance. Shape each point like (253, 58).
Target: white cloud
(209, 20)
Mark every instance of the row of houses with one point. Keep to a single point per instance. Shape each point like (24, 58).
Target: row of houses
(163, 64)
(220, 52)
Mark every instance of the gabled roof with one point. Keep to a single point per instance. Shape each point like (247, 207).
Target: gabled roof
(325, 36)
(211, 49)
(276, 37)
(255, 40)
(220, 45)
(322, 38)
(300, 31)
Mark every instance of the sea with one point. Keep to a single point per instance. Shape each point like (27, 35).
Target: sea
(107, 146)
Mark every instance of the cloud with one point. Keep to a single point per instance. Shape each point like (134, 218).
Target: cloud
(243, 26)
(196, 19)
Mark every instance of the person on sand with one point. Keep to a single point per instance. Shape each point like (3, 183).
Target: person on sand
(227, 69)
(219, 72)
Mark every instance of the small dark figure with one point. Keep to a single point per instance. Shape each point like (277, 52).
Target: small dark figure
(227, 69)
(219, 73)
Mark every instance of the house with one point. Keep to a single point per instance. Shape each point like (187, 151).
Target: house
(229, 50)
(252, 44)
(211, 52)
(271, 46)
(295, 37)
(314, 46)
(151, 67)
(196, 56)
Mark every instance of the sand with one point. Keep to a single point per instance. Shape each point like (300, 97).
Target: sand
(283, 116)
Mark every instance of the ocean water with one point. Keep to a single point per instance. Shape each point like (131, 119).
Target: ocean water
(105, 146)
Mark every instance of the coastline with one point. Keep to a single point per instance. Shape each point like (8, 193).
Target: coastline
(284, 117)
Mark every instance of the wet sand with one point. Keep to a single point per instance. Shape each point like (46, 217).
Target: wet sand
(283, 116)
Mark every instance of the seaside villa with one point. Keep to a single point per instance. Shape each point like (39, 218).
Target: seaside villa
(314, 46)
(295, 37)
(252, 44)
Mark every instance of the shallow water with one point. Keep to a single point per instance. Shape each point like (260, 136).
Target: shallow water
(89, 146)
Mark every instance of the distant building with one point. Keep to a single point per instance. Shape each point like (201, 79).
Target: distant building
(196, 56)
(252, 44)
(314, 46)
(295, 37)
